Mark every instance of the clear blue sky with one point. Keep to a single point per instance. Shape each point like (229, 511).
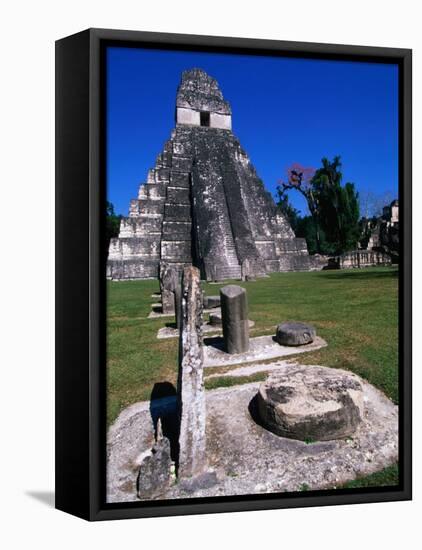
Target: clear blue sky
(285, 110)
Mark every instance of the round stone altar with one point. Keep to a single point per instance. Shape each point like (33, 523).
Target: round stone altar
(295, 334)
(319, 404)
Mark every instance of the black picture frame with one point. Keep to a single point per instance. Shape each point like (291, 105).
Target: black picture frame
(80, 275)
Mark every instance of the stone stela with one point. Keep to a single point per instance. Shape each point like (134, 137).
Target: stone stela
(190, 387)
(234, 312)
(169, 282)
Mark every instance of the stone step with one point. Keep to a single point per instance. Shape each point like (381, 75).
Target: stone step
(232, 262)
(230, 272)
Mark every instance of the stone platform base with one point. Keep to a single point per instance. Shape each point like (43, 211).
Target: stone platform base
(156, 312)
(260, 348)
(249, 459)
(170, 332)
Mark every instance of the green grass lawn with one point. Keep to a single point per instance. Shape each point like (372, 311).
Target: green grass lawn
(355, 311)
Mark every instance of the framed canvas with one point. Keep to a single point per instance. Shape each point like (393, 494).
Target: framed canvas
(233, 274)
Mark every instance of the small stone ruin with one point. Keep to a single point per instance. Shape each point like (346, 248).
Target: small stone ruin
(359, 259)
(169, 282)
(315, 405)
(156, 469)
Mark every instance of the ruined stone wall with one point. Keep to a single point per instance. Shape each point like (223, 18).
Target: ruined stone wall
(363, 258)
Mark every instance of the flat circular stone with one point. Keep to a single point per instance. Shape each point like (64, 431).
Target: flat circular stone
(311, 403)
(215, 319)
(295, 334)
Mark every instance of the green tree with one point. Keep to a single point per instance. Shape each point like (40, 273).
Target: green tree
(334, 208)
(338, 206)
(112, 223)
(289, 211)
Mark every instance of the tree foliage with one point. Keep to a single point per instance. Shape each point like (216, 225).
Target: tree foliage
(333, 224)
(289, 211)
(338, 206)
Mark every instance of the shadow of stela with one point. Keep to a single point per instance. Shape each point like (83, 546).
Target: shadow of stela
(163, 406)
(215, 342)
(45, 497)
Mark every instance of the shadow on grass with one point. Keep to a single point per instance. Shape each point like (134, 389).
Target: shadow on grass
(357, 274)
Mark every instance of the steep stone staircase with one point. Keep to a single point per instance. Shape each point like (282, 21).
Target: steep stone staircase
(232, 269)
(210, 150)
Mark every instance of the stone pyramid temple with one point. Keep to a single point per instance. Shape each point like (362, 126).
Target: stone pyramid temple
(203, 203)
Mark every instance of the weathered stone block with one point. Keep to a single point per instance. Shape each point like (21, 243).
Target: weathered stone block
(182, 164)
(162, 174)
(291, 246)
(177, 212)
(155, 471)
(132, 268)
(266, 249)
(169, 282)
(317, 405)
(150, 225)
(220, 121)
(179, 179)
(147, 246)
(139, 227)
(177, 231)
(152, 191)
(147, 206)
(234, 311)
(191, 392)
(295, 334)
(163, 160)
(181, 148)
(176, 251)
(134, 207)
(178, 195)
(187, 116)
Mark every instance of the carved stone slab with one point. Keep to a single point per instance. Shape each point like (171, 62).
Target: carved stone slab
(191, 392)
